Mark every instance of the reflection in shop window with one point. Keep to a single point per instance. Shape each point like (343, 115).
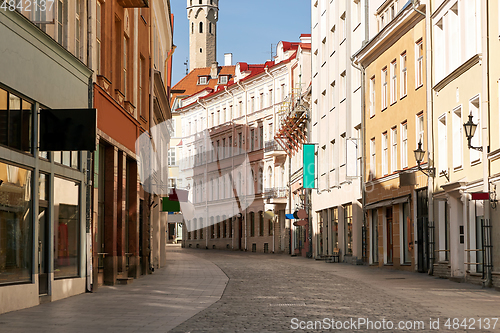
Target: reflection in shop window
(348, 228)
(15, 224)
(66, 228)
(15, 122)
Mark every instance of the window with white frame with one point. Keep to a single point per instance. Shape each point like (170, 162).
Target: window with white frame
(404, 145)
(457, 137)
(332, 95)
(419, 63)
(78, 30)
(60, 27)
(443, 144)
(343, 86)
(125, 63)
(261, 100)
(270, 97)
(332, 40)
(394, 149)
(404, 75)
(372, 96)
(420, 130)
(383, 94)
(171, 157)
(373, 159)
(385, 154)
(343, 28)
(356, 13)
(202, 80)
(394, 82)
(475, 155)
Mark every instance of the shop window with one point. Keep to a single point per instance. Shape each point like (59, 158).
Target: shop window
(15, 122)
(348, 229)
(66, 228)
(15, 224)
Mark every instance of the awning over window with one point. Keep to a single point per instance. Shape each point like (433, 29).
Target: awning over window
(388, 202)
(289, 216)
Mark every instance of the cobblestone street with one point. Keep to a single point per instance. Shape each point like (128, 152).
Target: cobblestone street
(222, 291)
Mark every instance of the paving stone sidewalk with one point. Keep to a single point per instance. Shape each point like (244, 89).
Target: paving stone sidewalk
(154, 303)
(265, 292)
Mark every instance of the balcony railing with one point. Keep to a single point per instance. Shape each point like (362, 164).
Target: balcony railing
(272, 145)
(276, 192)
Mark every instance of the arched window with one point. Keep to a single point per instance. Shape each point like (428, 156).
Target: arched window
(223, 194)
(210, 27)
(269, 178)
(260, 181)
(195, 229)
(261, 223)
(251, 183)
(216, 189)
(211, 189)
(195, 193)
(201, 27)
(252, 224)
(238, 184)
(201, 2)
(200, 187)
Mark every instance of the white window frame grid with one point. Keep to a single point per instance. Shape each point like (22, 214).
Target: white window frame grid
(457, 138)
(78, 30)
(475, 155)
(419, 63)
(373, 159)
(373, 96)
(404, 75)
(385, 154)
(394, 82)
(420, 130)
(383, 87)
(443, 143)
(404, 145)
(394, 149)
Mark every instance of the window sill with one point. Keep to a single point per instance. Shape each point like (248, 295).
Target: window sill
(331, 54)
(356, 27)
(458, 168)
(343, 99)
(400, 98)
(343, 40)
(332, 109)
(475, 162)
(392, 103)
(382, 110)
(420, 86)
(358, 88)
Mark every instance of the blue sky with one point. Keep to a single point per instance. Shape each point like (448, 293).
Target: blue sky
(245, 28)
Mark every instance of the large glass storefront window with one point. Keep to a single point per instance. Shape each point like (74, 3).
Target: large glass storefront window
(66, 228)
(15, 122)
(348, 228)
(15, 224)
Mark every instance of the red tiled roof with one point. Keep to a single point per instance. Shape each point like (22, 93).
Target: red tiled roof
(188, 85)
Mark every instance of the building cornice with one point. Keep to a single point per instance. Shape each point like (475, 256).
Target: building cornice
(457, 72)
(390, 34)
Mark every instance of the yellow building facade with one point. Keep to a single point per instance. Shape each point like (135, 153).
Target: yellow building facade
(395, 121)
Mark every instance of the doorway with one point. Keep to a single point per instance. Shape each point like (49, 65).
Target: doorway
(389, 229)
(43, 236)
(422, 241)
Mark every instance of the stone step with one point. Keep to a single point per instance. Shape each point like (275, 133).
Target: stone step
(124, 280)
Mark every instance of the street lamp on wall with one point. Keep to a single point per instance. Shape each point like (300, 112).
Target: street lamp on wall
(470, 129)
(419, 156)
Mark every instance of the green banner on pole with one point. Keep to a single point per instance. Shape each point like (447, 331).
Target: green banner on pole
(170, 206)
(309, 163)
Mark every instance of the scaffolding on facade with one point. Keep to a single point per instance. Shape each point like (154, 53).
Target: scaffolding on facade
(293, 114)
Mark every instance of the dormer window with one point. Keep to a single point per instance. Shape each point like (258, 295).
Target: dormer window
(202, 80)
(223, 79)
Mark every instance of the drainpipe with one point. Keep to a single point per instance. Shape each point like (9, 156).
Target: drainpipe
(430, 136)
(150, 123)
(363, 101)
(485, 144)
(246, 168)
(206, 173)
(232, 164)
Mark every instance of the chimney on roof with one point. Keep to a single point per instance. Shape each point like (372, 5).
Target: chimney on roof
(214, 70)
(228, 59)
(306, 39)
